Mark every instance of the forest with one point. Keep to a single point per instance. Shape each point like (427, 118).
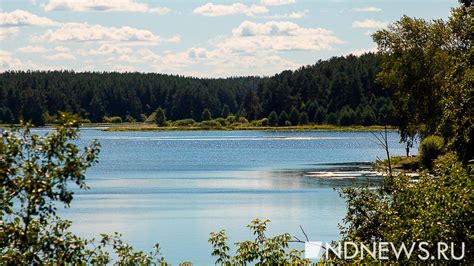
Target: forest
(341, 90)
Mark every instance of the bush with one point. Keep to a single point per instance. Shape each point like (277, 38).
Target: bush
(151, 118)
(129, 118)
(232, 119)
(112, 119)
(184, 122)
(243, 120)
(430, 148)
(222, 121)
(210, 124)
(206, 115)
(263, 122)
(432, 210)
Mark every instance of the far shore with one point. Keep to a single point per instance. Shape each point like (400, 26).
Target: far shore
(140, 126)
(152, 127)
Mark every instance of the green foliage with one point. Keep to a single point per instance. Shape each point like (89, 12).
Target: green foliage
(427, 65)
(206, 115)
(273, 119)
(35, 174)
(6, 115)
(151, 118)
(320, 116)
(160, 117)
(346, 116)
(435, 209)
(304, 119)
(329, 84)
(243, 120)
(112, 119)
(430, 148)
(184, 122)
(129, 118)
(260, 123)
(225, 112)
(222, 121)
(283, 118)
(263, 250)
(232, 119)
(332, 119)
(211, 124)
(294, 116)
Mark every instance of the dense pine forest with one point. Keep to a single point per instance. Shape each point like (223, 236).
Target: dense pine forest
(341, 90)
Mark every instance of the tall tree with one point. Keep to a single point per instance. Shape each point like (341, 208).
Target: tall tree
(160, 117)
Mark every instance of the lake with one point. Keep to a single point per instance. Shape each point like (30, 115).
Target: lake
(174, 188)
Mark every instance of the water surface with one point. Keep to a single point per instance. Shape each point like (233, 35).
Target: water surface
(175, 188)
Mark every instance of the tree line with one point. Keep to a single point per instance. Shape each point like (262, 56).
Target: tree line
(340, 91)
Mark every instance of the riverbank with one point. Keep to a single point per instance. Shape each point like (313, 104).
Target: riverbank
(151, 127)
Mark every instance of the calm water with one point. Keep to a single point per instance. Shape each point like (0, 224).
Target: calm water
(176, 187)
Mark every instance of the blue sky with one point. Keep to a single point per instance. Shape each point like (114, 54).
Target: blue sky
(197, 38)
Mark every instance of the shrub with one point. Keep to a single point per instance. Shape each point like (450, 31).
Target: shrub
(263, 122)
(206, 115)
(210, 124)
(222, 121)
(243, 120)
(112, 119)
(232, 119)
(184, 122)
(430, 148)
(151, 118)
(287, 123)
(129, 118)
(433, 209)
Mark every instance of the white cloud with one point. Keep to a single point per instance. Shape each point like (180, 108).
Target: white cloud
(32, 49)
(23, 18)
(61, 49)
(277, 2)
(215, 10)
(103, 5)
(84, 32)
(367, 9)
(107, 49)
(278, 36)
(292, 15)
(369, 24)
(7, 32)
(8, 62)
(60, 57)
(358, 52)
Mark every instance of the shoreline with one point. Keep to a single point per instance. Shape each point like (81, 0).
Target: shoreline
(305, 128)
(144, 127)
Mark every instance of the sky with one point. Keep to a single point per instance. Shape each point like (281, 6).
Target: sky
(194, 38)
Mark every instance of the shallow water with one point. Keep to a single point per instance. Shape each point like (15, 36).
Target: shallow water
(176, 187)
